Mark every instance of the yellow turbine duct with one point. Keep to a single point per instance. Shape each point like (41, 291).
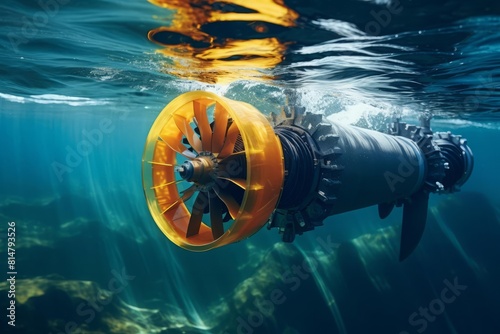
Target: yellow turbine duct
(212, 170)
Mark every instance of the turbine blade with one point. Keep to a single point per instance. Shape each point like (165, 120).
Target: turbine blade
(166, 184)
(216, 207)
(232, 206)
(232, 135)
(385, 209)
(177, 146)
(159, 163)
(220, 127)
(186, 195)
(183, 125)
(242, 183)
(196, 215)
(233, 155)
(200, 113)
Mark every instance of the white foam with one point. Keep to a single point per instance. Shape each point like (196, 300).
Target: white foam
(339, 27)
(464, 123)
(74, 101)
(354, 113)
(13, 98)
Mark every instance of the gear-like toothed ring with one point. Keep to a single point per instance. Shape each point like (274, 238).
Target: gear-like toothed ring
(434, 158)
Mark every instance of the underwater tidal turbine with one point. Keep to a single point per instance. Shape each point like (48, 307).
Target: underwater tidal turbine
(215, 171)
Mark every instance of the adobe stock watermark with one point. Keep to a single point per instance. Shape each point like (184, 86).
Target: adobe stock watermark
(420, 320)
(31, 26)
(406, 168)
(91, 140)
(382, 18)
(87, 310)
(293, 278)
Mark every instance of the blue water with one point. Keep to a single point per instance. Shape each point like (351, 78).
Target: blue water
(89, 257)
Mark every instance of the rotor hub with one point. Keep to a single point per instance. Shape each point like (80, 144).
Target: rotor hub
(202, 170)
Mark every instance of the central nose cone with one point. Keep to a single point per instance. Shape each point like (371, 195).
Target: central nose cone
(200, 170)
(186, 170)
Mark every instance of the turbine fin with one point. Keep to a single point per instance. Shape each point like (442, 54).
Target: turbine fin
(414, 219)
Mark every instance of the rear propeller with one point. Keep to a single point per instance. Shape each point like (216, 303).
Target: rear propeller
(199, 142)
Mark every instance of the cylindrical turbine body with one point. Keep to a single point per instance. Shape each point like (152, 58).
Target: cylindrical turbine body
(378, 168)
(332, 168)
